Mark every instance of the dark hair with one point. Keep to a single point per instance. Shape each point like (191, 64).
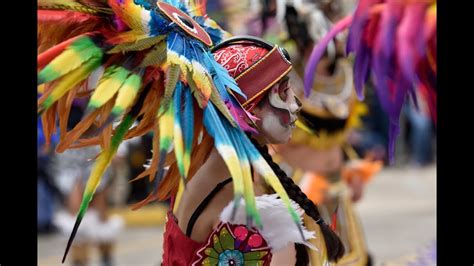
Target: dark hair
(334, 246)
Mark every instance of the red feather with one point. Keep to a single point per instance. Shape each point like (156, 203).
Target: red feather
(47, 56)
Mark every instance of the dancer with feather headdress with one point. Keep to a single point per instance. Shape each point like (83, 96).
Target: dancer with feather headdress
(162, 67)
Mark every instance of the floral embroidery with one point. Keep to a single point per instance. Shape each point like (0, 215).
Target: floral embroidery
(234, 245)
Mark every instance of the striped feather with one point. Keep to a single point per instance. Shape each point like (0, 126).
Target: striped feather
(165, 123)
(109, 84)
(176, 50)
(249, 195)
(177, 129)
(172, 77)
(216, 99)
(72, 5)
(262, 167)
(135, 16)
(69, 81)
(188, 124)
(127, 93)
(139, 45)
(100, 165)
(195, 91)
(203, 82)
(47, 56)
(214, 126)
(78, 53)
(156, 56)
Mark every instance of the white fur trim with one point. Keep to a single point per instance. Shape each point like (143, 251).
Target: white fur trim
(107, 231)
(65, 223)
(91, 228)
(279, 229)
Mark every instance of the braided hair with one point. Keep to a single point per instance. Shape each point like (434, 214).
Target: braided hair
(334, 246)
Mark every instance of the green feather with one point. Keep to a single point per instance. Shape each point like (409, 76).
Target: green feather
(98, 170)
(73, 57)
(109, 84)
(69, 81)
(127, 94)
(139, 45)
(172, 77)
(195, 90)
(72, 5)
(217, 101)
(156, 56)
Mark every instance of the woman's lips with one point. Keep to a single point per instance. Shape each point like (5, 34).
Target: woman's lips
(291, 123)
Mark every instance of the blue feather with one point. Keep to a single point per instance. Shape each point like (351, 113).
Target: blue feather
(175, 43)
(221, 77)
(236, 135)
(188, 119)
(213, 122)
(215, 33)
(158, 24)
(179, 153)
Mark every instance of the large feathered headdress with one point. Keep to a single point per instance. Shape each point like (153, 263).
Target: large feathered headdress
(146, 66)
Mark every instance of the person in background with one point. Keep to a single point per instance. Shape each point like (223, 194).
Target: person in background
(371, 139)
(71, 170)
(46, 188)
(420, 134)
(331, 174)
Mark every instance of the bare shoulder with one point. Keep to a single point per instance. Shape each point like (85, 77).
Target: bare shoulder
(197, 190)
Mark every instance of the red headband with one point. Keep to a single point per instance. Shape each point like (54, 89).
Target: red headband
(254, 68)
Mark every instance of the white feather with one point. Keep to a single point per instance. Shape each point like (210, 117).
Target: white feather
(108, 230)
(278, 229)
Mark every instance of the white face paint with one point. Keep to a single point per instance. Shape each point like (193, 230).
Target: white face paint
(277, 113)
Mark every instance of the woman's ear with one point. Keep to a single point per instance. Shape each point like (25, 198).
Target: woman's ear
(283, 90)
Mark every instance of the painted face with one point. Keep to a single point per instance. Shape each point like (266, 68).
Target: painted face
(277, 113)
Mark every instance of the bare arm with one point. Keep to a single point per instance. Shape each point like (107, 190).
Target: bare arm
(284, 257)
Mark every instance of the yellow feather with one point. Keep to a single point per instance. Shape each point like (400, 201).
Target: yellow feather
(67, 83)
(67, 62)
(101, 163)
(108, 86)
(127, 92)
(179, 195)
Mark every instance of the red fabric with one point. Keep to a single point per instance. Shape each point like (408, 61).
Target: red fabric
(178, 249)
(237, 58)
(254, 68)
(262, 76)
